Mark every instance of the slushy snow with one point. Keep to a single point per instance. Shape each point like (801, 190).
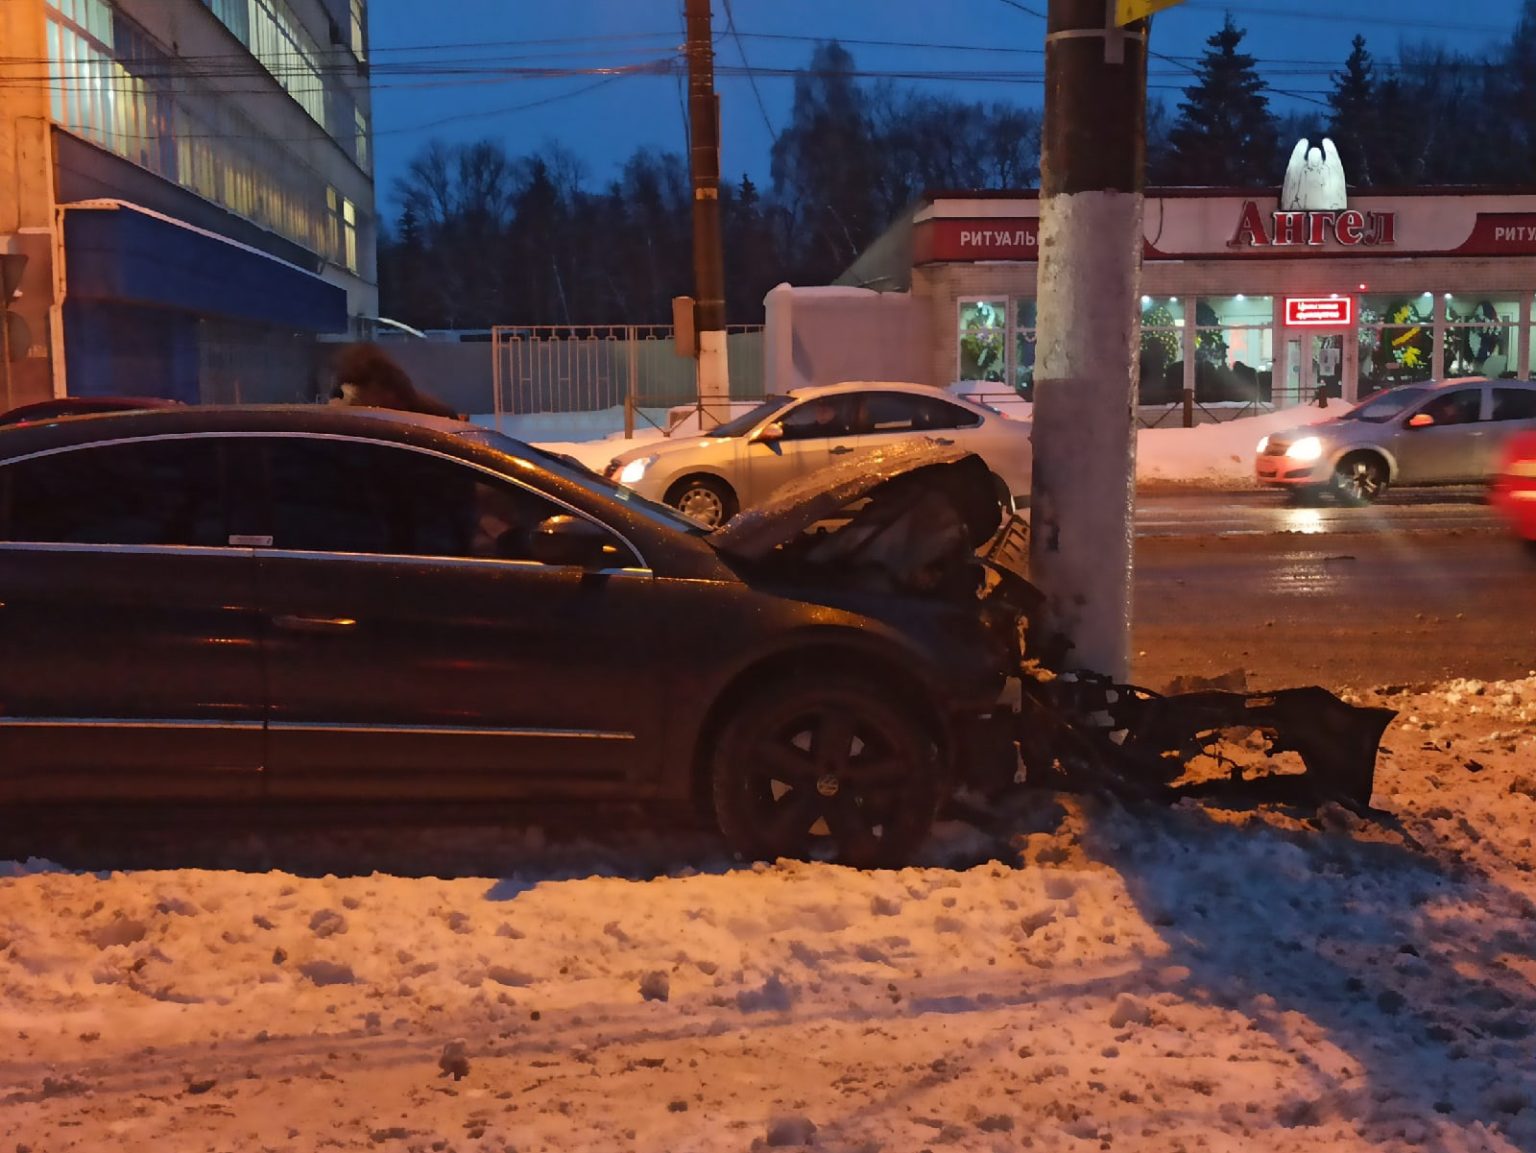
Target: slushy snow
(1080, 976)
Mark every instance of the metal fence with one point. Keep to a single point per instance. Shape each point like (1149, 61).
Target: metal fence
(595, 367)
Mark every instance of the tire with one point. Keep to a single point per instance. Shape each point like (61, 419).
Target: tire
(1004, 497)
(785, 784)
(1360, 478)
(707, 499)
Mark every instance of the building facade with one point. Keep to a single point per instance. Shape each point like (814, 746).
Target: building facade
(1244, 300)
(191, 184)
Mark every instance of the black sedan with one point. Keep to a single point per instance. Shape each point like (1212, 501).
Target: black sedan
(340, 606)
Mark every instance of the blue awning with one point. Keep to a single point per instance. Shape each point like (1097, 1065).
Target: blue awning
(115, 251)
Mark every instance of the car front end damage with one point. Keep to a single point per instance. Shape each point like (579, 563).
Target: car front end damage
(923, 522)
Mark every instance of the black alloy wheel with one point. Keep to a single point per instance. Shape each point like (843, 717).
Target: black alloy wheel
(826, 767)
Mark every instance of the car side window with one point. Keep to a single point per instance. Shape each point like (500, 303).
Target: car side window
(1514, 404)
(825, 416)
(885, 412)
(1462, 406)
(162, 492)
(347, 496)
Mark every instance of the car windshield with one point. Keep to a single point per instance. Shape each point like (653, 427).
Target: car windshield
(1383, 407)
(573, 470)
(747, 421)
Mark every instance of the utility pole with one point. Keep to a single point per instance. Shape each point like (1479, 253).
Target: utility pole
(1092, 175)
(708, 263)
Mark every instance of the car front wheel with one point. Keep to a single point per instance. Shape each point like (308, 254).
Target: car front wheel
(825, 767)
(1360, 479)
(706, 499)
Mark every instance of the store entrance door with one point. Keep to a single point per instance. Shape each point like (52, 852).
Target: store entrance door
(1320, 350)
(1313, 361)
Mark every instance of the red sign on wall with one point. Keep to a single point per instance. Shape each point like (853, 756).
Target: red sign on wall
(1002, 238)
(1319, 311)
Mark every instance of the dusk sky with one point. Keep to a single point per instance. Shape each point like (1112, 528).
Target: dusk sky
(456, 69)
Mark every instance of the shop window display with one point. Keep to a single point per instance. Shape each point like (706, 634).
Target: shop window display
(997, 343)
(1162, 349)
(1234, 348)
(1480, 335)
(984, 340)
(1397, 341)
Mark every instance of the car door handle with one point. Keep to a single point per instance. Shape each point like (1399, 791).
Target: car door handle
(943, 439)
(298, 624)
(839, 449)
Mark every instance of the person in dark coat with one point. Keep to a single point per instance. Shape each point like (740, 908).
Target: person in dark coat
(366, 375)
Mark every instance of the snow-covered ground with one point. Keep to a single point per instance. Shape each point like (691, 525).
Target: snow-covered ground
(1219, 454)
(1090, 977)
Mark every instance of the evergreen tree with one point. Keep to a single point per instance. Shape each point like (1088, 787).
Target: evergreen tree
(1225, 134)
(1355, 121)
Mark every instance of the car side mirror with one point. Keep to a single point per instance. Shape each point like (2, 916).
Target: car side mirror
(1420, 420)
(769, 433)
(570, 540)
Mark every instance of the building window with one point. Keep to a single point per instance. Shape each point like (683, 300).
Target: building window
(349, 233)
(1397, 341)
(361, 138)
(1234, 348)
(997, 343)
(1480, 330)
(984, 340)
(1162, 349)
(359, 30)
(1024, 347)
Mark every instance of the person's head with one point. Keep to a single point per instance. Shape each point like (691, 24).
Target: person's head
(825, 412)
(366, 375)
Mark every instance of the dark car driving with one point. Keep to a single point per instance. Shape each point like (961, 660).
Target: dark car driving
(321, 605)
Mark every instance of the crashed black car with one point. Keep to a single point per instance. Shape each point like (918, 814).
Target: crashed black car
(334, 606)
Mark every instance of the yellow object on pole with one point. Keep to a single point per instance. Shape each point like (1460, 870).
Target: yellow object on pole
(1130, 11)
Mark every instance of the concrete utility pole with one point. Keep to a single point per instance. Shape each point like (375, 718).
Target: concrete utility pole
(708, 263)
(1092, 173)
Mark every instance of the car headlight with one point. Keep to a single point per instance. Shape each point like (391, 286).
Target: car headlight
(635, 469)
(1307, 448)
(1263, 444)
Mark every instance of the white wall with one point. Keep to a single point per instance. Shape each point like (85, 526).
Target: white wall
(822, 335)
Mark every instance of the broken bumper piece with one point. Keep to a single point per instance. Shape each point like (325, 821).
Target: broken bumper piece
(1080, 729)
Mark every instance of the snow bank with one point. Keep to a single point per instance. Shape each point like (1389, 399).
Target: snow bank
(1082, 976)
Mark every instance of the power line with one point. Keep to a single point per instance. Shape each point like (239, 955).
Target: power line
(730, 24)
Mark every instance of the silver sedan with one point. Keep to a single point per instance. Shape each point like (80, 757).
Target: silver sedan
(740, 463)
(1416, 434)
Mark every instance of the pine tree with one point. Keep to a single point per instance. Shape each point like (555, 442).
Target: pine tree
(1355, 123)
(1225, 134)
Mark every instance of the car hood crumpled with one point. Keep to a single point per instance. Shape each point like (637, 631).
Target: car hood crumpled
(923, 468)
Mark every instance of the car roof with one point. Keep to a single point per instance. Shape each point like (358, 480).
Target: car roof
(871, 386)
(334, 420)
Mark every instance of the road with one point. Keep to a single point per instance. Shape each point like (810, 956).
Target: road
(1201, 513)
(1418, 589)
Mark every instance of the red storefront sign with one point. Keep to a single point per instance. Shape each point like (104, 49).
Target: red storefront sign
(1003, 238)
(1350, 228)
(1501, 234)
(1319, 311)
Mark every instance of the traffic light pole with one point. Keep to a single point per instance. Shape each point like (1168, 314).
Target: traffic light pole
(708, 262)
(1092, 170)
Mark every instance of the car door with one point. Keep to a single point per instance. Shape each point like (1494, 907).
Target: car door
(1513, 411)
(805, 436)
(416, 650)
(131, 663)
(1447, 447)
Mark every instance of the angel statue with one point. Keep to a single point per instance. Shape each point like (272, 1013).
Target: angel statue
(1314, 180)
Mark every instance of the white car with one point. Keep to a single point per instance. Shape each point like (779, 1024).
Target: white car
(740, 463)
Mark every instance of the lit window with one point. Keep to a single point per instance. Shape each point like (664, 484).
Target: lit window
(359, 30)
